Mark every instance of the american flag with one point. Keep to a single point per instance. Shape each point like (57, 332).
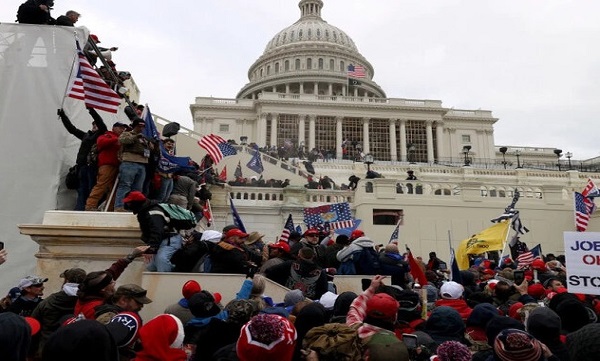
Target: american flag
(88, 86)
(216, 147)
(590, 189)
(356, 71)
(335, 215)
(395, 234)
(287, 229)
(583, 206)
(527, 257)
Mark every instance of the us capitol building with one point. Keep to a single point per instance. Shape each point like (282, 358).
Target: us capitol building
(299, 94)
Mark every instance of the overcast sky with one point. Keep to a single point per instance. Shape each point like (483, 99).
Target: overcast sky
(534, 64)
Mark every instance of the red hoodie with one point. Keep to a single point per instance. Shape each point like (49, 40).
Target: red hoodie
(108, 149)
(459, 305)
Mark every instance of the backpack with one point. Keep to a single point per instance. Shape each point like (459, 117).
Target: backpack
(365, 262)
(92, 157)
(334, 341)
(178, 217)
(347, 266)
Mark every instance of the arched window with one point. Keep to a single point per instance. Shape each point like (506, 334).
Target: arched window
(320, 63)
(261, 72)
(286, 65)
(268, 70)
(276, 68)
(331, 64)
(297, 65)
(300, 34)
(309, 63)
(342, 66)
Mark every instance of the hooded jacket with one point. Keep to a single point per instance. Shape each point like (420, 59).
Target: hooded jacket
(544, 324)
(445, 324)
(459, 305)
(52, 309)
(356, 245)
(15, 337)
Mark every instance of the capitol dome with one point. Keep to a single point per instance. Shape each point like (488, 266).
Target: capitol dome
(309, 57)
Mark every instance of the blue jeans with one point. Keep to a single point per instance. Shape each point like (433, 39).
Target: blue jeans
(166, 187)
(131, 178)
(162, 260)
(87, 180)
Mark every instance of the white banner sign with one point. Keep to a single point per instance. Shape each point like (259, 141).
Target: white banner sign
(582, 252)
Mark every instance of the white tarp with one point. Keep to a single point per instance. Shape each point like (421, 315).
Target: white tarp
(582, 253)
(35, 66)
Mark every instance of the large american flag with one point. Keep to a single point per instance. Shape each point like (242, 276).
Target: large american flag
(356, 71)
(216, 147)
(287, 229)
(88, 86)
(335, 215)
(583, 209)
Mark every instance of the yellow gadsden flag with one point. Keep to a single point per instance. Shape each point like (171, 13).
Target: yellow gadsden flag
(490, 239)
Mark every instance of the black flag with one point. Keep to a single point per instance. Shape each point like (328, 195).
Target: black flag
(353, 82)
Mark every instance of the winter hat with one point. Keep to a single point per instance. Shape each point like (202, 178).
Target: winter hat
(514, 309)
(343, 302)
(293, 297)
(517, 345)
(544, 324)
(583, 344)
(572, 312)
(498, 323)
(266, 337)
(382, 306)
(451, 290)
(385, 346)
(408, 300)
(453, 351)
(481, 314)
(124, 328)
(162, 339)
(15, 336)
(81, 340)
(190, 288)
(240, 311)
(445, 324)
(203, 304)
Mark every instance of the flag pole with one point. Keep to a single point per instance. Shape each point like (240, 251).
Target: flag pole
(69, 82)
(112, 194)
(211, 214)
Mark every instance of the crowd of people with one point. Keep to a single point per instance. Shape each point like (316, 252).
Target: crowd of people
(487, 313)
(259, 182)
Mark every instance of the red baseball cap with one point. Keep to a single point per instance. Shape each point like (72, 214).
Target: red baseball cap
(538, 264)
(281, 245)
(34, 324)
(134, 196)
(356, 234)
(311, 232)
(235, 233)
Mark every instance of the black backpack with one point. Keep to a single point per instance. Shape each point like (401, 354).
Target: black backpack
(367, 262)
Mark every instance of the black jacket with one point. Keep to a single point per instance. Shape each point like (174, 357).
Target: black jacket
(152, 224)
(88, 139)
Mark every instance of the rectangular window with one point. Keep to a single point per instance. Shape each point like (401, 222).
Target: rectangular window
(387, 216)
(466, 138)
(223, 128)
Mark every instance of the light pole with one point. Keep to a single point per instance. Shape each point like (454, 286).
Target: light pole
(466, 150)
(368, 160)
(558, 153)
(503, 151)
(569, 155)
(518, 154)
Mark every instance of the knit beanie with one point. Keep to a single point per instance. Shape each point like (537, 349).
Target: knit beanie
(516, 345)
(453, 351)
(266, 337)
(583, 344)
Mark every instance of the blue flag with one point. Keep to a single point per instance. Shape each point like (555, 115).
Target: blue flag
(299, 229)
(536, 251)
(255, 163)
(238, 171)
(237, 221)
(348, 230)
(167, 163)
(454, 270)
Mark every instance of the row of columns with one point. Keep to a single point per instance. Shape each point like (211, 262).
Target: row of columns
(352, 91)
(339, 137)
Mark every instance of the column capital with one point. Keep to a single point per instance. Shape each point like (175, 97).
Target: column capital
(366, 120)
(339, 119)
(402, 120)
(302, 116)
(274, 115)
(393, 121)
(439, 123)
(263, 115)
(429, 122)
(312, 117)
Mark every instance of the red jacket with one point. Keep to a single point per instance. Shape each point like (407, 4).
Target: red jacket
(459, 305)
(108, 149)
